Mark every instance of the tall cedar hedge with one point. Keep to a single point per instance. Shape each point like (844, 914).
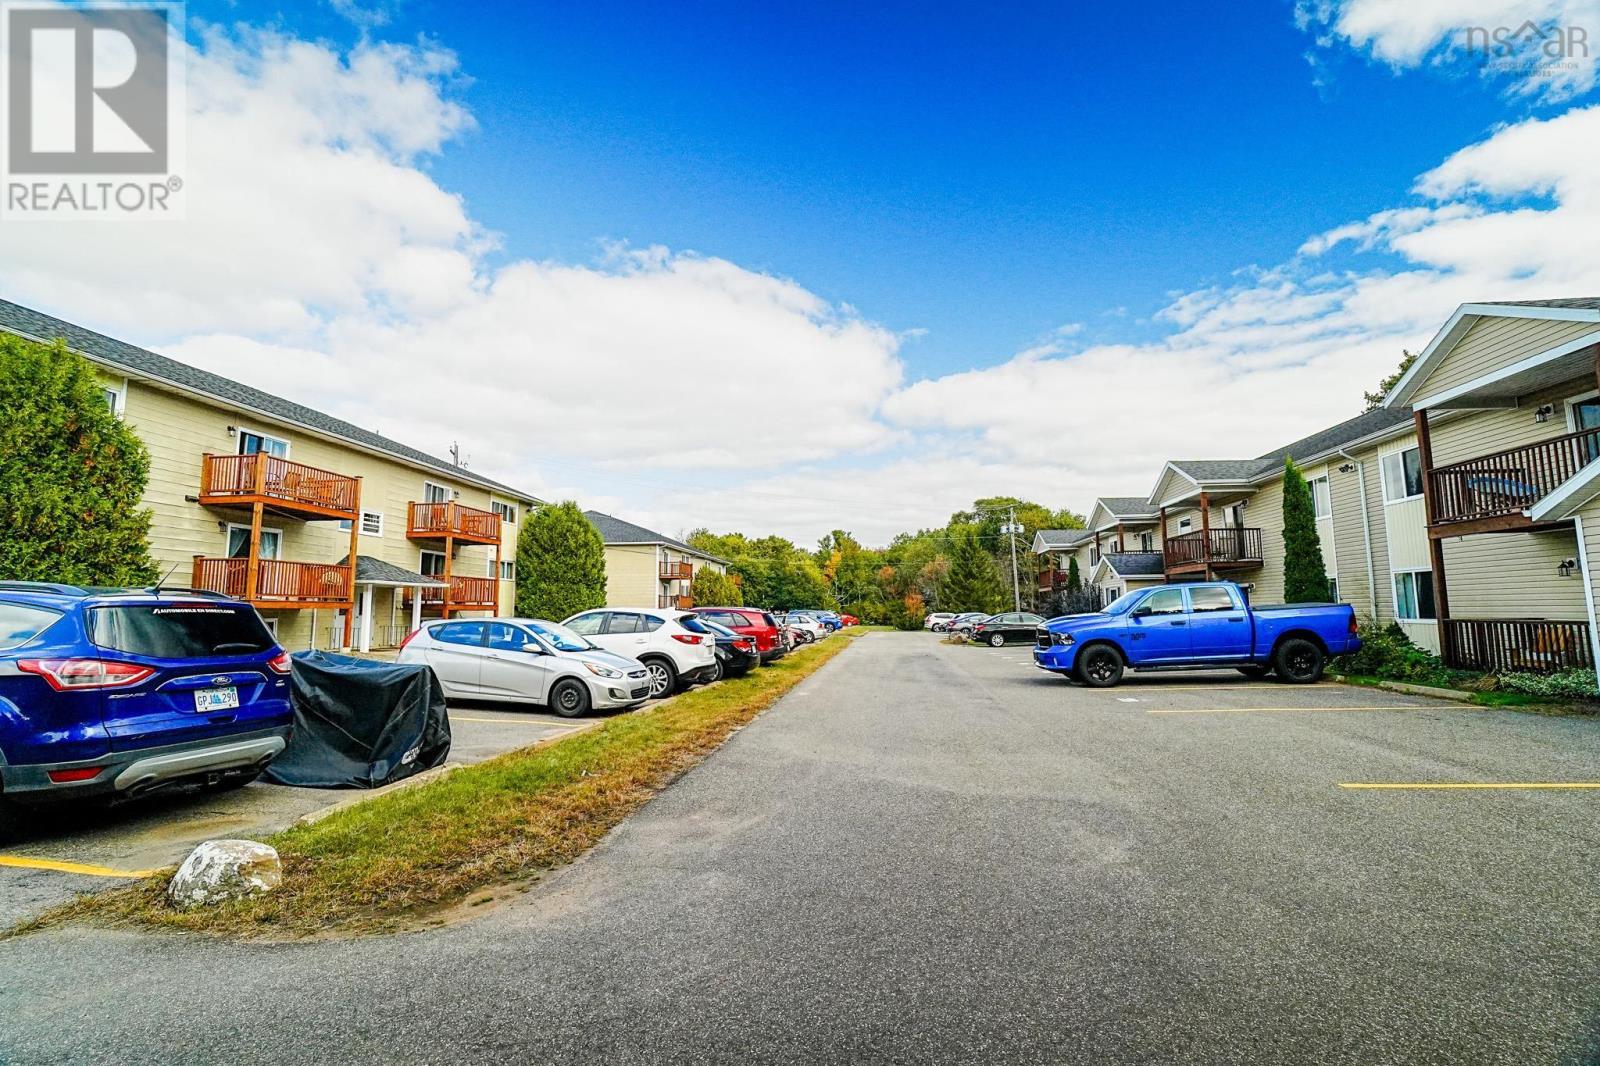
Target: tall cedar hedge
(72, 474)
(711, 589)
(1305, 580)
(973, 582)
(561, 563)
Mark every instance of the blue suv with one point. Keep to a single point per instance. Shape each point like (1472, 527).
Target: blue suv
(107, 692)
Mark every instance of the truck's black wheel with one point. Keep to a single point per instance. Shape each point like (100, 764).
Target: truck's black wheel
(1099, 666)
(1299, 662)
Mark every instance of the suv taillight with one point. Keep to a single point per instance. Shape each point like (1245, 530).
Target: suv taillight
(686, 638)
(281, 662)
(69, 675)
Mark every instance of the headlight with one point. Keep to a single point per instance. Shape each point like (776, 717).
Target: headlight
(1063, 639)
(601, 671)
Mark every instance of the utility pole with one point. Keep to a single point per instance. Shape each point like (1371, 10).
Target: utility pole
(1011, 531)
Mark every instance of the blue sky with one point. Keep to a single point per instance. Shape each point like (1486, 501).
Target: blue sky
(786, 268)
(983, 177)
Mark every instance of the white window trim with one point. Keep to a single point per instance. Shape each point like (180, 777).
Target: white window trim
(1395, 594)
(449, 493)
(509, 512)
(227, 535)
(1573, 401)
(271, 624)
(119, 405)
(1327, 493)
(423, 554)
(344, 524)
(240, 431)
(1383, 474)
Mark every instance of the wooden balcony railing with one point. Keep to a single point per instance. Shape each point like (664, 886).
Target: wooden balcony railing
(1051, 579)
(260, 478)
(435, 521)
(677, 571)
(1228, 546)
(279, 582)
(1508, 482)
(683, 603)
(1517, 645)
(467, 593)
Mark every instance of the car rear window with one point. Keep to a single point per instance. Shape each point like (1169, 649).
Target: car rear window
(769, 620)
(20, 623)
(696, 624)
(179, 630)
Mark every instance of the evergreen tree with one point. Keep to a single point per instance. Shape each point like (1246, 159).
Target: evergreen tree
(1304, 578)
(561, 563)
(72, 474)
(973, 583)
(1074, 578)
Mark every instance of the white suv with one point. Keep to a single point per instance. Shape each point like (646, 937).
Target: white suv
(938, 621)
(672, 644)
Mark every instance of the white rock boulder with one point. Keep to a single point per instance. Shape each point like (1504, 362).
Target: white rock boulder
(225, 869)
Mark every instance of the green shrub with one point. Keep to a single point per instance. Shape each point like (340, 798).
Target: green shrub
(908, 613)
(1387, 653)
(561, 563)
(1575, 684)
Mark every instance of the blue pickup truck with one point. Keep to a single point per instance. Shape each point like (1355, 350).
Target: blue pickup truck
(1202, 625)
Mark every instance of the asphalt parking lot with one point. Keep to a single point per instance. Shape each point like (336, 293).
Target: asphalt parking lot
(82, 849)
(931, 853)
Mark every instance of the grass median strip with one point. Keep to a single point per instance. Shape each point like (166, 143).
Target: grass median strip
(401, 858)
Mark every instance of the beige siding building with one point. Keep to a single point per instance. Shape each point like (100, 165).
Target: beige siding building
(340, 537)
(648, 569)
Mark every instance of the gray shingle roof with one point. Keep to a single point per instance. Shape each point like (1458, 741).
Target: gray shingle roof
(614, 530)
(1574, 303)
(369, 569)
(15, 318)
(1216, 469)
(1126, 505)
(1318, 443)
(1136, 564)
(1063, 538)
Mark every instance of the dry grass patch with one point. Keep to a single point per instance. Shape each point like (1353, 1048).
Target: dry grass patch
(395, 861)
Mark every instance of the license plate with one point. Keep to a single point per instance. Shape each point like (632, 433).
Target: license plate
(216, 699)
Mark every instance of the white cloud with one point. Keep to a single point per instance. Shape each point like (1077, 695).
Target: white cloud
(1554, 58)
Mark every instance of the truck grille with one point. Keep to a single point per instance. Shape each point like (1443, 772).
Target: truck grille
(1044, 638)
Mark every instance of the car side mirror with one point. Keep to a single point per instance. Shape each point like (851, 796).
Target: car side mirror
(532, 649)
(1142, 612)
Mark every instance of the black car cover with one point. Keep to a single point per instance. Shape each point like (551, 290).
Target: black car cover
(361, 724)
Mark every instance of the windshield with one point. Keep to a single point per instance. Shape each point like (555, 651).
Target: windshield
(560, 637)
(1122, 603)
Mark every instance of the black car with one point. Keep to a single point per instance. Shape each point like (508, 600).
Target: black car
(736, 652)
(1018, 627)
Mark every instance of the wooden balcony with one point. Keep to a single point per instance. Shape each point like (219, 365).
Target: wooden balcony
(1491, 493)
(1517, 645)
(464, 594)
(456, 521)
(1228, 548)
(279, 582)
(677, 571)
(284, 487)
(1051, 579)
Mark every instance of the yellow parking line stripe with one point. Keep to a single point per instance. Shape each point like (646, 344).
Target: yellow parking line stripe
(1418, 785)
(26, 863)
(1288, 710)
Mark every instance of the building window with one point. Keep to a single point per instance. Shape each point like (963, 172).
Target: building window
(508, 570)
(432, 493)
(1402, 475)
(252, 443)
(115, 398)
(1145, 542)
(371, 524)
(1185, 525)
(239, 542)
(1413, 596)
(431, 564)
(506, 511)
(1333, 589)
(1321, 500)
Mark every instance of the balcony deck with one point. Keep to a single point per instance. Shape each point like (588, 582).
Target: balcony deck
(280, 583)
(1492, 493)
(464, 594)
(1531, 645)
(437, 521)
(677, 571)
(283, 486)
(1229, 548)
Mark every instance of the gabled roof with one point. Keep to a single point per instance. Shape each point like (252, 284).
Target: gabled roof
(615, 530)
(370, 571)
(1568, 309)
(1334, 437)
(137, 362)
(1125, 506)
(1216, 469)
(1056, 539)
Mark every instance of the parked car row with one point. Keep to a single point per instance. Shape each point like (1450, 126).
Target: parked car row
(1014, 627)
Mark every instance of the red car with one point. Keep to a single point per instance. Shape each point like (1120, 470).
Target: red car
(752, 622)
(849, 619)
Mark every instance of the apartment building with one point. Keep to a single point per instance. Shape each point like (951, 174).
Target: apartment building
(645, 568)
(1506, 419)
(1057, 548)
(1125, 553)
(340, 537)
